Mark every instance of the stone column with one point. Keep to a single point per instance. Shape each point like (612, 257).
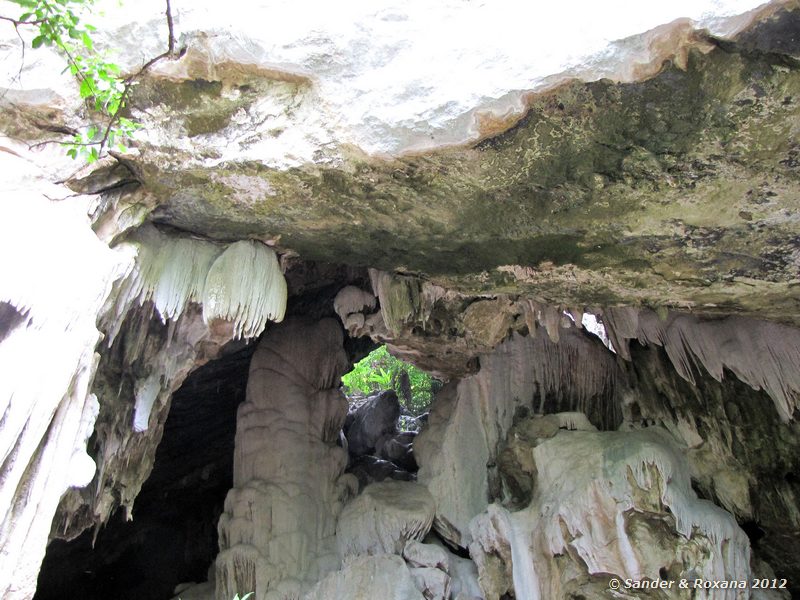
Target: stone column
(277, 534)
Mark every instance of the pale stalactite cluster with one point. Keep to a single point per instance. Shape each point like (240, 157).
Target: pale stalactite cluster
(764, 355)
(241, 283)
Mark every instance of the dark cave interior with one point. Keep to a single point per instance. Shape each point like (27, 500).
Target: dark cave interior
(172, 537)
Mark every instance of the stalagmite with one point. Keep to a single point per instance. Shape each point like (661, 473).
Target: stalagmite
(277, 531)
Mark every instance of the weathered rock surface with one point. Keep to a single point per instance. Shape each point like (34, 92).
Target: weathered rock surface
(639, 192)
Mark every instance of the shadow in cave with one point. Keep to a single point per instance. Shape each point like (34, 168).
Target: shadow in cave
(173, 535)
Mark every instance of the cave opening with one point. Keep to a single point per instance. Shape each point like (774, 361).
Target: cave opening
(172, 536)
(388, 401)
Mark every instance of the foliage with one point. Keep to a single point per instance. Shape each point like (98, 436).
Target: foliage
(379, 370)
(100, 84)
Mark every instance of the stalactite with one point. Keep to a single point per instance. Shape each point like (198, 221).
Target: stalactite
(241, 283)
(245, 285)
(764, 355)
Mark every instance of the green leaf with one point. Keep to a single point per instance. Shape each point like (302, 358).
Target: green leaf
(37, 41)
(72, 153)
(86, 87)
(87, 41)
(74, 33)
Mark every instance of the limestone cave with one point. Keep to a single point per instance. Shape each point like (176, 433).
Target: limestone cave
(577, 227)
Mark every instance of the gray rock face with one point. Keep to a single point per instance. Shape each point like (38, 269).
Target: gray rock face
(398, 448)
(370, 421)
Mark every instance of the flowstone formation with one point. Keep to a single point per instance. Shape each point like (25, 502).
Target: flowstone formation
(640, 521)
(277, 532)
(595, 247)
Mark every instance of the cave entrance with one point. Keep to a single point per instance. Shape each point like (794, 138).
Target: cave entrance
(388, 402)
(172, 537)
(379, 371)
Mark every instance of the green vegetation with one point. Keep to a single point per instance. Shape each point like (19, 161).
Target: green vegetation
(59, 25)
(379, 370)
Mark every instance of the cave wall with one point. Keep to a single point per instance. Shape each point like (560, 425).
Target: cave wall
(698, 473)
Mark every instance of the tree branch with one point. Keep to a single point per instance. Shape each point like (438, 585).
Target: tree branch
(128, 81)
(132, 78)
(17, 23)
